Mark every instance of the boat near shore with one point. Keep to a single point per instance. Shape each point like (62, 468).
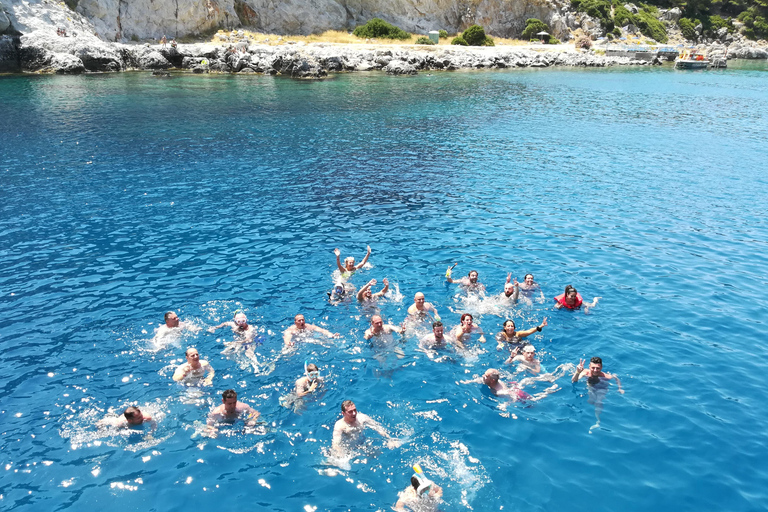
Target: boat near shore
(693, 58)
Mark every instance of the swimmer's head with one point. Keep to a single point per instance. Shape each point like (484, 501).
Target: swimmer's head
(171, 319)
(437, 329)
(192, 355)
(509, 289)
(338, 289)
(377, 323)
(299, 321)
(466, 319)
(312, 371)
(529, 351)
(595, 366)
(241, 320)
(421, 484)
(472, 276)
(349, 411)
(419, 299)
(229, 399)
(491, 376)
(133, 416)
(528, 279)
(349, 263)
(509, 327)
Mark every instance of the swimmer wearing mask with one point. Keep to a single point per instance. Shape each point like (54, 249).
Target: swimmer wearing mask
(310, 382)
(422, 495)
(239, 325)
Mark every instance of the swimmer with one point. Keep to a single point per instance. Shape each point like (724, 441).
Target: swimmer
(463, 332)
(349, 267)
(492, 379)
(239, 326)
(529, 287)
(511, 290)
(348, 431)
(230, 411)
(436, 339)
(172, 324)
(420, 309)
(341, 292)
(469, 283)
(366, 294)
(380, 330)
(191, 372)
(597, 384)
(423, 494)
(527, 360)
(514, 339)
(132, 417)
(571, 299)
(301, 327)
(310, 382)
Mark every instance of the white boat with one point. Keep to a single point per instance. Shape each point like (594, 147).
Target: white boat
(692, 59)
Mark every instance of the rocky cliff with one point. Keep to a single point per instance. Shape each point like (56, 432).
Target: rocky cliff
(125, 20)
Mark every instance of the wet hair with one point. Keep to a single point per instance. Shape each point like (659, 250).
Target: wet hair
(130, 412)
(437, 324)
(186, 352)
(415, 482)
(466, 315)
(165, 317)
(475, 271)
(508, 322)
(596, 360)
(526, 276)
(312, 367)
(345, 404)
(569, 289)
(230, 393)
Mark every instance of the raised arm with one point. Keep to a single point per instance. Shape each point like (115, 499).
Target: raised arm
(579, 370)
(337, 252)
(365, 260)
(384, 290)
(366, 286)
(528, 332)
(448, 273)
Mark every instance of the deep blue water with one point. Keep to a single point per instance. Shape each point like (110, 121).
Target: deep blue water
(124, 196)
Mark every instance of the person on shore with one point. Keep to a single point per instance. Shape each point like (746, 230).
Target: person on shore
(529, 287)
(462, 333)
(422, 495)
(309, 382)
(163, 41)
(420, 309)
(381, 331)
(366, 294)
(527, 361)
(193, 372)
(597, 384)
(349, 266)
(301, 328)
(230, 411)
(348, 432)
(511, 290)
(513, 338)
(468, 283)
(173, 43)
(132, 417)
(436, 339)
(571, 299)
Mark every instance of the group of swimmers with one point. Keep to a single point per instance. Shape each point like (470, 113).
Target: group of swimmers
(349, 430)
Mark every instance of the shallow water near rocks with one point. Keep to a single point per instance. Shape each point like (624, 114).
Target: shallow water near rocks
(124, 196)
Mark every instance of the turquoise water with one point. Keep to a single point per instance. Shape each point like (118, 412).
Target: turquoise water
(124, 196)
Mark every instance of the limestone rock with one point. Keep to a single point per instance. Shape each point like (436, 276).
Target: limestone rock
(5, 23)
(152, 59)
(400, 67)
(9, 54)
(673, 15)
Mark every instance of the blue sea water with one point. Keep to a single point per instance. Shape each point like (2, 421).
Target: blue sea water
(126, 195)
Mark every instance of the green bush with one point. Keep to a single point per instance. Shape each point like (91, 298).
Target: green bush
(377, 27)
(617, 31)
(443, 34)
(650, 26)
(687, 27)
(424, 40)
(609, 36)
(533, 27)
(460, 41)
(756, 24)
(474, 35)
(488, 42)
(622, 17)
(600, 9)
(553, 40)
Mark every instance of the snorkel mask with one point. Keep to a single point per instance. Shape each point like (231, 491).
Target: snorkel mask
(311, 375)
(425, 484)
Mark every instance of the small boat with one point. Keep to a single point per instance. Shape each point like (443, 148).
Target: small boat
(691, 58)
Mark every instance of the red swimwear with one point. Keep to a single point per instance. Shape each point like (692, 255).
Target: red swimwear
(560, 299)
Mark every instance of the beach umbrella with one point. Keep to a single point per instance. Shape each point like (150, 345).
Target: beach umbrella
(542, 33)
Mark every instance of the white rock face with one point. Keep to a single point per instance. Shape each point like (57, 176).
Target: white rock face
(5, 23)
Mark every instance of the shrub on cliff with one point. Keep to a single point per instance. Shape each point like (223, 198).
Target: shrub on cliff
(460, 41)
(488, 42)
(756, 24)
(688, 28)
(600, 9)
(424, 40)
(377, 27)
(443, 34)
(622, 17)
(533, 27)
(474, 36)
(650, 26)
